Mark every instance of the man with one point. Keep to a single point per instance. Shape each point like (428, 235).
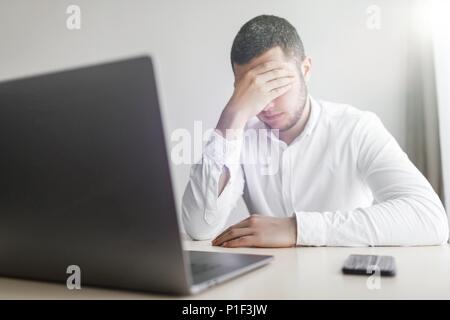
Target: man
(340, 178)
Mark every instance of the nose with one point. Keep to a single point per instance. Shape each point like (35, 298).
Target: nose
(269, 106)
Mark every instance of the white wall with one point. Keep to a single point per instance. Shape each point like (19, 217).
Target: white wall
(190, 41)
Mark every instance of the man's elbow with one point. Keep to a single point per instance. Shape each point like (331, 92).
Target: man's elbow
(197, 233)
(432, 228)
(195, 228)
(440, 230)
(443, 229)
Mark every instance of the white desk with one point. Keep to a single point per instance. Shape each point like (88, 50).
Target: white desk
(295, 273)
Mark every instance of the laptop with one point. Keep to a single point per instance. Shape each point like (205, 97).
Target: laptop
(85, 182)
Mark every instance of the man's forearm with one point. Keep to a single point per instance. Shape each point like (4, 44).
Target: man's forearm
(231, 122)
(405, 221)
(230, 126)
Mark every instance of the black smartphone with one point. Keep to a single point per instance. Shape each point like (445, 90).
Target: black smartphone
(369, 264)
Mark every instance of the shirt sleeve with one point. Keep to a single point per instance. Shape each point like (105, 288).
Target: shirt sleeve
(204, 212)
(406, 210)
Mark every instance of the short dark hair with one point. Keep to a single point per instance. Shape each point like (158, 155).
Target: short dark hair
(262, 33)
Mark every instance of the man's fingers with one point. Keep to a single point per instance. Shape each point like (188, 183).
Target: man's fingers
(244, 223)
(232, 234)
(278, 83)
(276, 74)
(275, 93)
(268, 66)
(246, 241)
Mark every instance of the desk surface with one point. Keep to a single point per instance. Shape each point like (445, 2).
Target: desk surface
(295, 273)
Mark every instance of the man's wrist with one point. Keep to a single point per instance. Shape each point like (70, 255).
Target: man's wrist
(232, 121)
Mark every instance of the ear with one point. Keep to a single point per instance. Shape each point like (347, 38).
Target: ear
(306, 68)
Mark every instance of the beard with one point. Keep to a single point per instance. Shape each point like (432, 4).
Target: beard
(301, 104)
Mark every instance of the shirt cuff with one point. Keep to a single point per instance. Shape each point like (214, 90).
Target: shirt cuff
(311, 229)
(225, 152)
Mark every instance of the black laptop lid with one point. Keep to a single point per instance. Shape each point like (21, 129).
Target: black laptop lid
(84, 179)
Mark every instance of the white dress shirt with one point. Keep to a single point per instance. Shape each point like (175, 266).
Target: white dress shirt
(345, 178)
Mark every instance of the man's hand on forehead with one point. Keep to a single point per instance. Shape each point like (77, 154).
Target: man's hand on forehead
(275, 66)
(254, 90)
